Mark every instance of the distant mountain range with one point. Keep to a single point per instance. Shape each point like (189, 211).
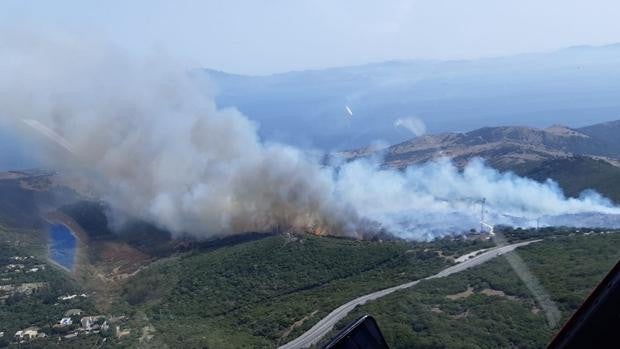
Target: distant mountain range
(578, 159)
(574, 86)
(505, 146)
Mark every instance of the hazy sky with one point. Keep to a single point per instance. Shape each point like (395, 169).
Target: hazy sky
(261, 37)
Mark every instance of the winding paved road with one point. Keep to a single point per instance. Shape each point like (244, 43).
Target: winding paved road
(318, 331)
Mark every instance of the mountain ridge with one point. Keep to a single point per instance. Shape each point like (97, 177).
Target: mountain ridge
(503, 146)
(577, 158)
(397, 62)
(307, 108)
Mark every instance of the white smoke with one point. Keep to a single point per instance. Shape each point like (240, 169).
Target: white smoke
(414, 125)
(156, 147)
(437, 199)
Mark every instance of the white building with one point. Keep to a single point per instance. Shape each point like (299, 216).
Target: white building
(29, 333)
(88, 322)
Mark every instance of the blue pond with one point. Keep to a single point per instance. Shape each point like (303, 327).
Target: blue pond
(62, 245)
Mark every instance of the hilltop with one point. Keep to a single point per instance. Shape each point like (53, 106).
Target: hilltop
(577, 158)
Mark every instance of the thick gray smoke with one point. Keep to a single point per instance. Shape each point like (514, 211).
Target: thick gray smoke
(156, 146)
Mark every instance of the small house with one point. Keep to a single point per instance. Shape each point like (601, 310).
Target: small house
(73, 312)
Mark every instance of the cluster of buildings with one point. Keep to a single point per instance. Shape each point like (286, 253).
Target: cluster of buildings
(71, 296)
(72, 323)
(20, 267)
(29, 333)
(12, 272)
(16, 280)
(86, 324)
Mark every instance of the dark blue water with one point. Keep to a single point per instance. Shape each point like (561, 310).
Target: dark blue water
(62, 246)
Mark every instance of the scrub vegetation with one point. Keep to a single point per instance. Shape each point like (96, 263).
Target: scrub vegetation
(500, 312)
(266, 292)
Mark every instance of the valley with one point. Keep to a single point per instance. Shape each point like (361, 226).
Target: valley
(144, 287)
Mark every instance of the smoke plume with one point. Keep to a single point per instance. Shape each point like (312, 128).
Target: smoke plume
(155, 146)
(414, 125)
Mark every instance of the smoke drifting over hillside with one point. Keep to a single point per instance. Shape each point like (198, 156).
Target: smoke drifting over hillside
(414, 125)
(436, 198)
(156, 146)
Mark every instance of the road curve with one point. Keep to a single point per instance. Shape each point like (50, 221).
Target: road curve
(321, 328)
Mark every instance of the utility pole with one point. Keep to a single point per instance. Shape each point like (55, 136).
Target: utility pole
(482, 213)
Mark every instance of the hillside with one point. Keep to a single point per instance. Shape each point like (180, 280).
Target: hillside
(252, 294)
(262, 290)
(607, 131)
(575, 174)
(227, 285)
(502, 147)
(30, 288)
(578, 159)
(265, 292)
(27, 195)
(489, 306)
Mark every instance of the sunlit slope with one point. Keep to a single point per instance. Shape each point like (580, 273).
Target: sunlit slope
(576, 174)
(577, 159)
